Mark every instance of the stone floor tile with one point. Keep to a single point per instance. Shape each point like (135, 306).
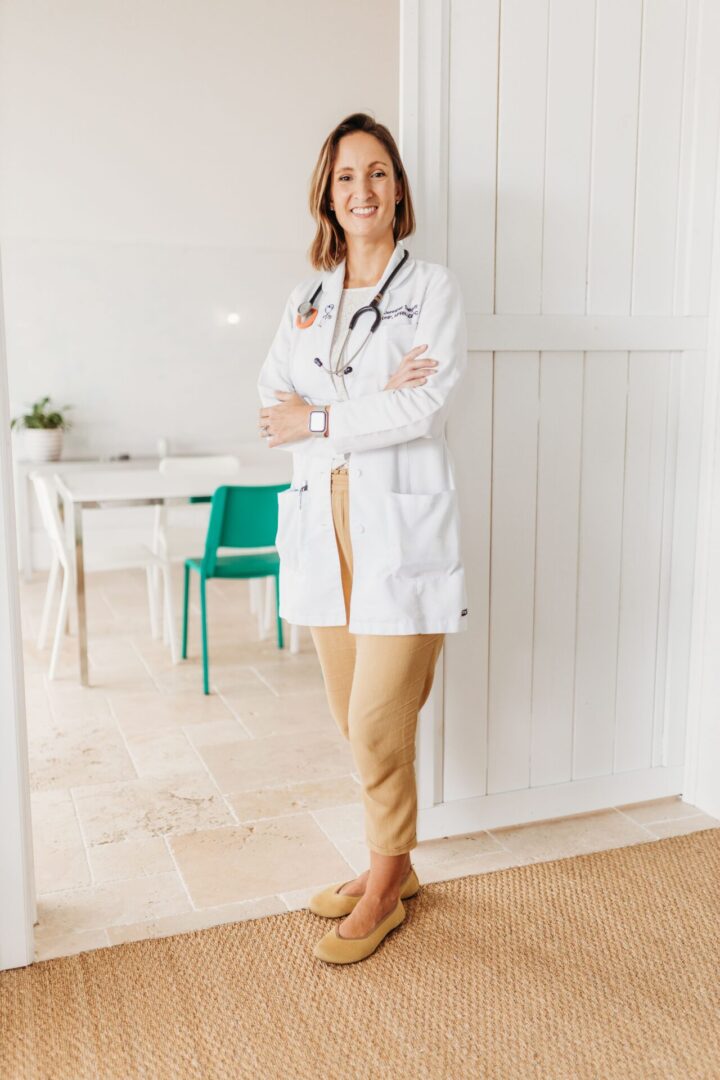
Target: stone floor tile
(113, 904)
(89, 753)
(163, 754)
(279, 759)
(680, 826)
(129, 859)
(291, 799)
(454, 849)
(283, 714)
(142, 808)
(197, 920)
(52, 944)
(215, 732)
(479, 864)
(138, 713)
(571, 836)
(659, 810)
(220, 866)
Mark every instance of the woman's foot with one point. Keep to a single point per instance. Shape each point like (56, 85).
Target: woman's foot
(367, 914)
(356, 887)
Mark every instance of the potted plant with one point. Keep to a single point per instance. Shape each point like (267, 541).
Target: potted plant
(42, 430)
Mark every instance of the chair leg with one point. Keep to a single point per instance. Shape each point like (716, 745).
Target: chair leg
(152, 603)
(269, 606)
(254, 584)
(169, 612)
(260, 609)
(277, 611)
(47, 606)
(60, 625)
(186, 599)
(203, 619)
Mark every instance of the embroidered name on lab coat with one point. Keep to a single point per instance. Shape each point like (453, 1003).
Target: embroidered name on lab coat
(404, 313)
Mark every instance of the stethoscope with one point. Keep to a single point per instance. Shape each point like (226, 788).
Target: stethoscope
(307, 313)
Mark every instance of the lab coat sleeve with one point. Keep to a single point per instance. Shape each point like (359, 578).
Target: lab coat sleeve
(275, 371)
(389, 417)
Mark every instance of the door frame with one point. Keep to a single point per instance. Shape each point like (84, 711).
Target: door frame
(17, 901)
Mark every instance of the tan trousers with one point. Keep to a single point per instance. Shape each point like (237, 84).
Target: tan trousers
(376, 684)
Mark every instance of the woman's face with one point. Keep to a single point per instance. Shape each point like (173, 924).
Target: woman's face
(363, 189)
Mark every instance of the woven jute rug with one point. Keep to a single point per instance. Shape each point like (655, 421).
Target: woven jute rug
(600, 966)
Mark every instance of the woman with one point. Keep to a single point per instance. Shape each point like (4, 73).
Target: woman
(368, 533)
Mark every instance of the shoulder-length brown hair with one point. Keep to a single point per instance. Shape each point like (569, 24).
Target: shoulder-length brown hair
(328, 247)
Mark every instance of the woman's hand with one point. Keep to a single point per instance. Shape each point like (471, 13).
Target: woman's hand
(287, 421)
(412, 372)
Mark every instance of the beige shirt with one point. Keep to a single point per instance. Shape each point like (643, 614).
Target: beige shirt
(350, 301)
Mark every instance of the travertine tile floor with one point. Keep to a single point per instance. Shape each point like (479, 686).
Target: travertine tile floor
(158, 810)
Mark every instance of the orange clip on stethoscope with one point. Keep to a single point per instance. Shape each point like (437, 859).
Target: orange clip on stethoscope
(307, 312)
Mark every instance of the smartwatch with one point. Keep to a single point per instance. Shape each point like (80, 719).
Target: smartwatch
(318, 421)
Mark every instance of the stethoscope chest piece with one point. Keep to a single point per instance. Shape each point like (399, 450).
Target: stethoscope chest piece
(306, 315)
(307, 312)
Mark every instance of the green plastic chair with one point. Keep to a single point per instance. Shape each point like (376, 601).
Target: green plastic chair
(240, 517)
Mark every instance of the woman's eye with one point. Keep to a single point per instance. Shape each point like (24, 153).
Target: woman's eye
(378, 172)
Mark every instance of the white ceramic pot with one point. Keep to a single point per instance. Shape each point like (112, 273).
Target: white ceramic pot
(42, 444)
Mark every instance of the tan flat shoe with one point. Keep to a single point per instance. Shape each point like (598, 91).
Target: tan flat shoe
(334, 949)
(331, 903)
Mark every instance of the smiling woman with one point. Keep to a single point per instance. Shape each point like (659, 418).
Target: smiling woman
(369, 534)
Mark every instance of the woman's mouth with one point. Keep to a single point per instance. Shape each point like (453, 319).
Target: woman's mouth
(363, 211)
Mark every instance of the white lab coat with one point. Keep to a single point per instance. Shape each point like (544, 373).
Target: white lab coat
(408, 576)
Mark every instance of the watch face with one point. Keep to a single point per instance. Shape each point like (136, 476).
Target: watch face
(317, 420)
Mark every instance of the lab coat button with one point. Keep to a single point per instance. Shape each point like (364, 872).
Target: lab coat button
(361, 528)
(358, 472)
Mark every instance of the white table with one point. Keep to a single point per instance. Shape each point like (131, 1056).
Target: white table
(114, 488)
(25, 497)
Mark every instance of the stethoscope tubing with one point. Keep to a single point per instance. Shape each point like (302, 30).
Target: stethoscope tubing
(308, 307)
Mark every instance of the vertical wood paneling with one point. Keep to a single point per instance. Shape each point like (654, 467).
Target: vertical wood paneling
(656, 193)
(567, 159)
(683, 555)
(515, 418)
(675, 362)
(472, 148)
(641, 559)
(581, 143)
(601, 503)
(556, 549)
(466, 654)
(701, 208)
(614, 142)
(521, 150)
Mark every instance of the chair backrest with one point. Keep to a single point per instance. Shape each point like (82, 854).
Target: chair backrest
(221, 465)
(242, 517)
(46, 492)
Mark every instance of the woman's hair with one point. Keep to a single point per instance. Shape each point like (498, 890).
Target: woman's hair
(328, 247)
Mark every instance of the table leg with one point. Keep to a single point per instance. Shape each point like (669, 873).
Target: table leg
(80, 596)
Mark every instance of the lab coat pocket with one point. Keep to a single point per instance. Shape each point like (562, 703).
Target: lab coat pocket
(424, 533)
(287, 540)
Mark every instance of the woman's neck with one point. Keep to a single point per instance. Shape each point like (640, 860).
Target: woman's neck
(365, 262)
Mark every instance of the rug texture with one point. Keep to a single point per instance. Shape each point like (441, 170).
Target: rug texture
(601, 966)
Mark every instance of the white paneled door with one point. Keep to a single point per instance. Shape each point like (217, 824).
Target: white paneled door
(563, 156)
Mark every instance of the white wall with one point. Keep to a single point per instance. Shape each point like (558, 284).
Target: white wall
(156, 159)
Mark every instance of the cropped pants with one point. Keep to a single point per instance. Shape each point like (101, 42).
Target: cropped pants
(376, 684)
